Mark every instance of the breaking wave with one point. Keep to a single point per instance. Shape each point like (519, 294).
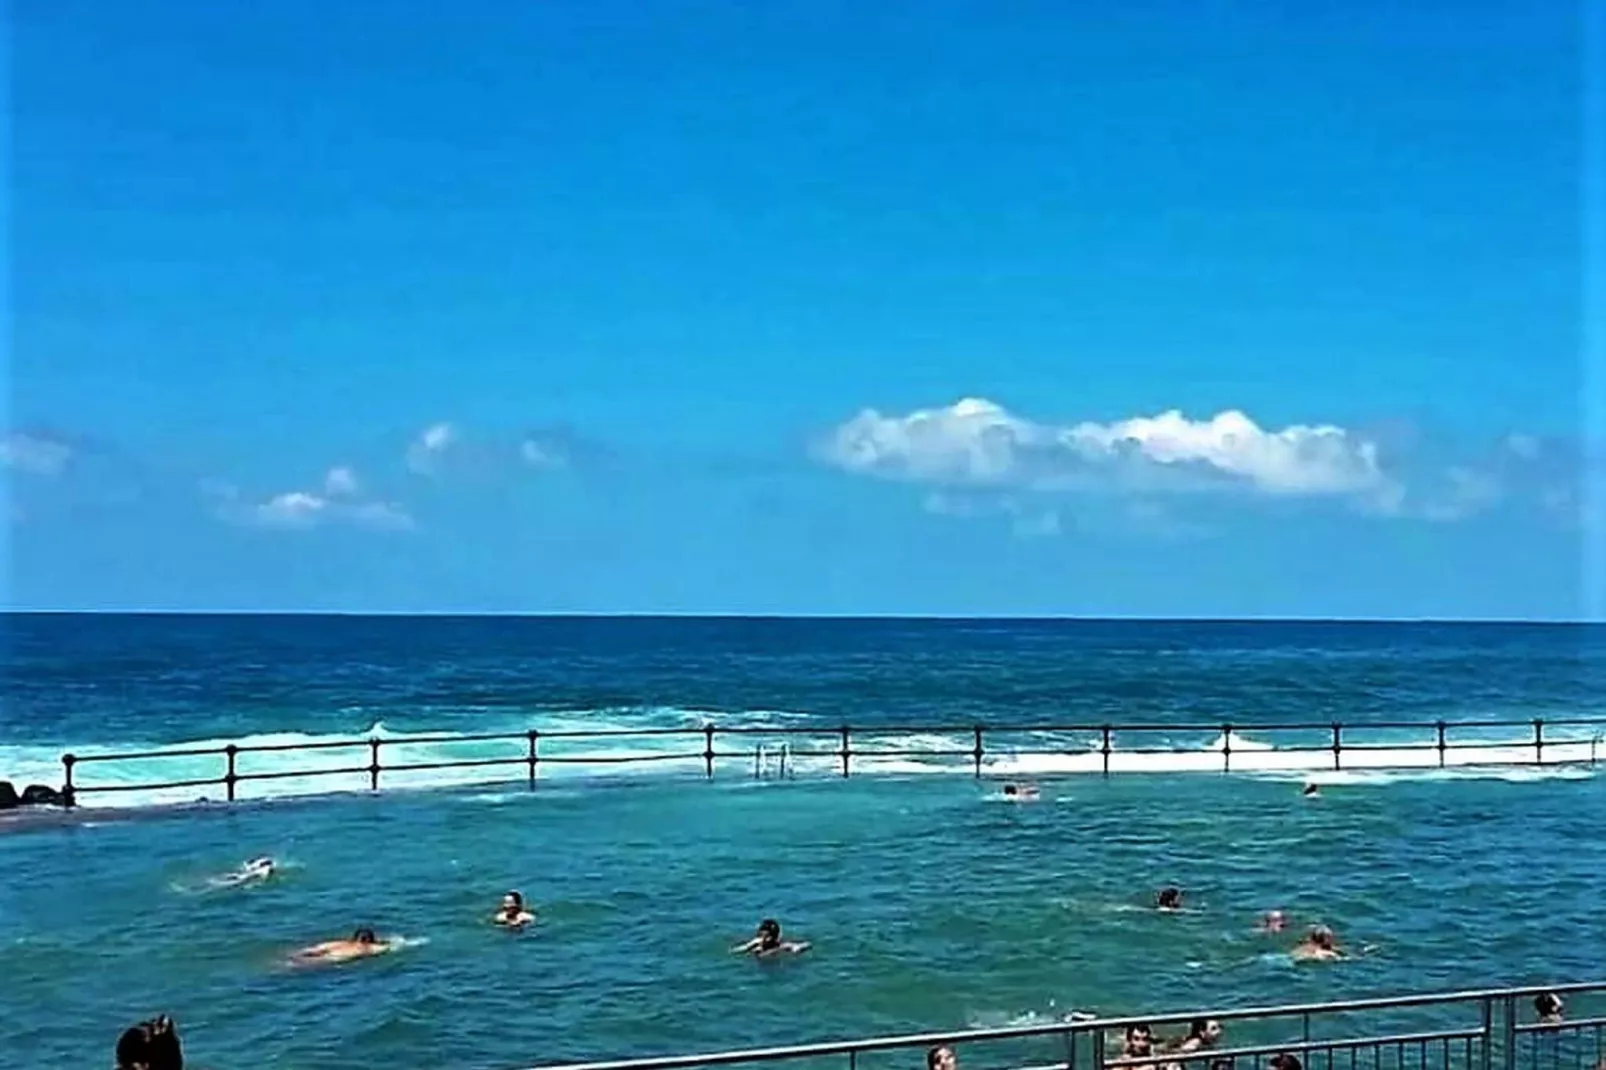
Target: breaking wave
(773, 743)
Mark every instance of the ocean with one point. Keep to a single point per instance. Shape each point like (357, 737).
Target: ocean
(931, 902)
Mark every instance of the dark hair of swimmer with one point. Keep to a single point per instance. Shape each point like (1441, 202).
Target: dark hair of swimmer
(1309, 789)
(940, 1057)
(1010, 789)
(365, 936)
(769, 932)
(1547, 1004)
(518, 900)
(1170, 897)
(1285, 1061)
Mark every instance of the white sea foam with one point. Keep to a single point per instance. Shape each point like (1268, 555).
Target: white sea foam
(338, 762)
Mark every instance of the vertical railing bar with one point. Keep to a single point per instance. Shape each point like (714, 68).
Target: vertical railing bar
(708, 751)
(534, 738)
(845, 750)
(1508, 1033)
(1539, 741)
(978, 752)
(229, 775)
(1486, 1056)
(373, 763)
(1226, 748)
(1441, 727)
(1104, 732)
(1338, 746)
(68, 792)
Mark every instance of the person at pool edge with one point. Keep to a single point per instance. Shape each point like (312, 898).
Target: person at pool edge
(941, 1058)
(1169, 899)
(767, 941)
(512, 912)
(362, 944)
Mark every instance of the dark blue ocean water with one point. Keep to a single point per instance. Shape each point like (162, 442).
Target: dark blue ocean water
(932, 903)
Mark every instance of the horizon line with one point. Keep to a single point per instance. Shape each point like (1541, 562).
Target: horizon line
(844, 617)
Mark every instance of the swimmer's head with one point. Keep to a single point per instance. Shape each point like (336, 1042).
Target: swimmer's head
(1322, 937)
(512, 901)
(1310, 789)
(1205, 1029)
(1139, 1040)
(1170, 898)
(1548, 1005)
(769, 932)
(1285, 1061)
(941, 1058)
(364, 936)
(1273, 921)
(1009, 789)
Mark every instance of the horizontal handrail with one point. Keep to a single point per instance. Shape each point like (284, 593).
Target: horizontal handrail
(1091, 1026)
(1103, 745)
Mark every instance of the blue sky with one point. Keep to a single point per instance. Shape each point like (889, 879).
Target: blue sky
(803, 307)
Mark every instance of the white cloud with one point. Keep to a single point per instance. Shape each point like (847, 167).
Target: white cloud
(424, 455)
(294, 508)
(340, 482)
(336, 503)
(978, 443)
(542, 455)
(33, 454)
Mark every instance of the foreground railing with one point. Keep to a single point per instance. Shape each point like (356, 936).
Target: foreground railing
(1476, 1030)
(788, 750)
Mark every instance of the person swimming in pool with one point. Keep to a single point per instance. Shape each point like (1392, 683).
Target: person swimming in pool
(767, 941)
(362, 944)
(1273, 921)
(1138, 1042)
(1319, 945)
(941, 1058)
(1310, 789)
(512, 912)
(1020, 792)
(1169, 899)
(257, 869)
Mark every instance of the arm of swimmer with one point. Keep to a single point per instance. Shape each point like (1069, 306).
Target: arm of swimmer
(744, 948)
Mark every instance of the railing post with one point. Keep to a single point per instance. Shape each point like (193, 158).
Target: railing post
(977, 752)
(1441, 726)
(1226, 748)
(845, 750)
(68, 792)
(1539, 741)
(534, 738)
(230, 776)
(708, 751)
(1338, 749)
(1508, 1033)
(1104, 732)
(1098, 1049)
(1487, 1024)
(373, 763)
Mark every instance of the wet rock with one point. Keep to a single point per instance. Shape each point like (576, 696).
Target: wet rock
(40, 795)
(9, 800)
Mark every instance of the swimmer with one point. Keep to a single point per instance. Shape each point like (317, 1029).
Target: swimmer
(512, 913)
(1169, 899)
(1020, 792)
(257, 869)
(941, 1058)
(1138, 1042)
(1310, 790)
(1548, 1006)
(1202, 1033)
(1319, 945)
(363, 944)
(1284, 1061)
(150, 1045)
(1273, 921)
(767, 941)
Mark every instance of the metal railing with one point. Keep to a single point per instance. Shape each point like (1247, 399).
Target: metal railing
(1497, 1029)
(1098, 748)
